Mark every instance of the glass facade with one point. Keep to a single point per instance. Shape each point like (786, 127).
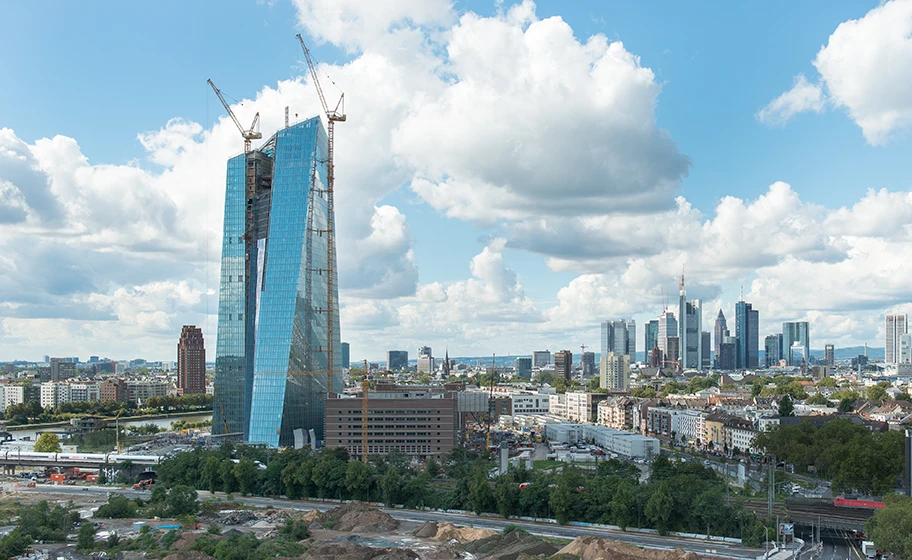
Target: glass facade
(286, 344)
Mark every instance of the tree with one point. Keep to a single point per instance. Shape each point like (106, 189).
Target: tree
(47, 443)
(506, 494)
(391, 486)
(659, 507)
(247, 475)
(818, 399)
(786, 407)
(889, 526)
(876, 393)
(182, 500)
(561, 500)
(86, 538)
(357, 480)
(481, 499)
(846, 405)
(644, 392)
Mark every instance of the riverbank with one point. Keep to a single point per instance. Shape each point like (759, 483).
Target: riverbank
(124, 420)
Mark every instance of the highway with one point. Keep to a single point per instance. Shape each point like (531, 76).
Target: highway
(714, 548)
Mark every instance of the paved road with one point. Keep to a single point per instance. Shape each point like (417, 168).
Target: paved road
(542, 529)
(837, 545)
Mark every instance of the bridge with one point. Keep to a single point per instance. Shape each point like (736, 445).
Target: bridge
(826, 515)
(111, 463)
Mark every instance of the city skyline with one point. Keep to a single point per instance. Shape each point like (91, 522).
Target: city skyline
(111, 225)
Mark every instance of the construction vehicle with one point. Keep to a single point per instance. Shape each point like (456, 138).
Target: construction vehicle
(144, 484)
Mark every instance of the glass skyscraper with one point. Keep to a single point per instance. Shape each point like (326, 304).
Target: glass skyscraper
(747, 327)
(271, 375)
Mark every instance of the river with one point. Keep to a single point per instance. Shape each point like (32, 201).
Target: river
(20, 432)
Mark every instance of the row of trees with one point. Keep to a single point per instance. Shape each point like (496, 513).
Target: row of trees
(850, 454)
(31, 412)
(678, 497)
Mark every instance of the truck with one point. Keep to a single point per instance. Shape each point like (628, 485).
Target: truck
(144, 484)
(869, 551)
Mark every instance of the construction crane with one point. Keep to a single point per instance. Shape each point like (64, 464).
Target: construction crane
(117, 430)
(582, 361)
(365, 389)
(491, 403)
(249, 134)
(332, 117)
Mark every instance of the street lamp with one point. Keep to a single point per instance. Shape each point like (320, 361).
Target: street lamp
(766, 531)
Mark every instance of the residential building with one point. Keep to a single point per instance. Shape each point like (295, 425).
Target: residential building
(652, 337)
(397, 360)
(720, 331)
(275, 330)
(13, 394)
(896, 325)
(140, 390)
(191, 362)
(587, 363)
(796, 332)
(61, 369)
(668, 328)
(85, 392)
(690, 328)
(525, 402)
(419, 423)
(346, 355)
(615, 372)
(739, 434)
(829, 352)
(583, 407)
(113, 390)
(522, 367)
(705, 348)
(563, 364)
(772, 347)
(541, 358)
(747, 326)
(54, 393)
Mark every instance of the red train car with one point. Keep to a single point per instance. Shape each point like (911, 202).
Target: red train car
(857, 504)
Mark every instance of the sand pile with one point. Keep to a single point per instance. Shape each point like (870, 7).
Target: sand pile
(357, 517)
(594, 548)
(446, 532)
(313, 516)
(510, 546)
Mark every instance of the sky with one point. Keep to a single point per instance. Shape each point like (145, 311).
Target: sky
(510, 175)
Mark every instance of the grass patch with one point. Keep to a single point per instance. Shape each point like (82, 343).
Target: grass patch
(545, 464)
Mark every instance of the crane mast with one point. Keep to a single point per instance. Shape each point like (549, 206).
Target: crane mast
(333, 116)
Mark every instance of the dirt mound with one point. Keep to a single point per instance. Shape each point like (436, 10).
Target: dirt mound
(359, 518)
(594, 548)
(510, 546)
(447, 532)
(341, 551)
(194, 555)
(427, 530)
(313, 516)
(399, 554)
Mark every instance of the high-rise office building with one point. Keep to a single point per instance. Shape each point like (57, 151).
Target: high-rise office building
(426, 360)
(396, 360)
(563, 364)
(796, 354)
(61, 369)
(668, 328)
(616, 337)
(652, 337)
(271, 370)
(615, 372)
(346, 356)
(705, 346)
(792, 332)
(727, 353)
(541, 358)
(720, 331)
(522, 367)
(191, 361)
(631, 340)
(905, 348)
(587, 364)
(772, 349)
(896, 326)
(690, 327)
(747, 326)
(829, 353)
